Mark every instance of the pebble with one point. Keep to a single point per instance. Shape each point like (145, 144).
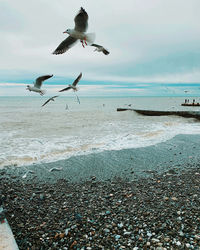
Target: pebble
(120, 225)
(67, 231)
(154, 240)
(144, 214)
(178, 243)
(117, 237)
(149, 234)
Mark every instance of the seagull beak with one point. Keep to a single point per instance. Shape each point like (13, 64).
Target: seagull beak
(64, 32)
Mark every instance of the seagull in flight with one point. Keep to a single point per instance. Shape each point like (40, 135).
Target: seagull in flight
(78, 33)
(38, 84)
(50, 99)
(73, 85)
(100, 48)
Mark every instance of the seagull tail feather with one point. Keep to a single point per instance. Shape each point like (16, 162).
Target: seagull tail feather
(90, 37)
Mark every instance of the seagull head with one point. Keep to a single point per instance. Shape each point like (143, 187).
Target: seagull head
(68, 31)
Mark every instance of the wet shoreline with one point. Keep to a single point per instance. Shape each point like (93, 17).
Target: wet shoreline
(180, 152)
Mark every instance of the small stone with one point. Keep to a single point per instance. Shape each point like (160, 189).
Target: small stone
(187, 245)
(148, 244)
(127, 233)
(117, 237)
(108, 212)
(166, 198)
(41, 197)
(67, 231)
(120, 225)
(181, 233)
(149, 234)
(178, 243)
(154, 240)
(174, 198)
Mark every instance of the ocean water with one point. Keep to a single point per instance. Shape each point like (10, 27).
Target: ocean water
(31, 134)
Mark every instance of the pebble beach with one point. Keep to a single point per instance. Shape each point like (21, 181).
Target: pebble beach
(158, 210)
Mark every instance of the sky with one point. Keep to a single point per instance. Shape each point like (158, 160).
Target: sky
(154, 47)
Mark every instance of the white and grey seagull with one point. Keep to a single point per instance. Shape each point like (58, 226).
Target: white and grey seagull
(73, 85)
(50, 99)
(38, 84)
(100, 48)
(78, 33)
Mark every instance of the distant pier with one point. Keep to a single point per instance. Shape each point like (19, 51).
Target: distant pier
(187, 114)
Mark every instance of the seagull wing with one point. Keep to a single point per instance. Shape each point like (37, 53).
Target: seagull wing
(50, 99)
(77, 80)
(65, 45)
(96, 45)
(105, 51)
(81, 21)
(64, 89)
(39, 80)
(46, 102)
(55, 96)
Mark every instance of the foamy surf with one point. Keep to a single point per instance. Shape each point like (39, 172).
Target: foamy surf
(27, 151)
(90, 127)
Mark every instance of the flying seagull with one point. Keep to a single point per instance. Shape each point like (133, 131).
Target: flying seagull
(50, 99)
(100, 48)
(78, 33)
(73, 85)
(38, 84)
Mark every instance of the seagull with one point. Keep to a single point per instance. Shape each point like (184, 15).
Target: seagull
(38, 84)
(73, 85)
(50, 99)
(100, 48)
(78, 33)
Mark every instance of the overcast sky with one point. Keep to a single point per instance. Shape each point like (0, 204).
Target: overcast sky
(154, 46)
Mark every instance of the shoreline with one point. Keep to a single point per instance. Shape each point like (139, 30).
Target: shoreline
(180, 152)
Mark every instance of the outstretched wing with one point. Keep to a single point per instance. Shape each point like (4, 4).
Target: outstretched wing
(64, 89)
(96, 45)
(65, 45)
(77, 80)
(39, 80)
(50, 99)
(46, 102)
(81, 21)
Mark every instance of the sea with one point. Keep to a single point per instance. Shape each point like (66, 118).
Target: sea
(31, 134)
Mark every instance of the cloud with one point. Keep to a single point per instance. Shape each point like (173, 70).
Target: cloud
(149, 41)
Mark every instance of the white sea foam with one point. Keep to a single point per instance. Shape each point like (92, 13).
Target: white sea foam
(35, 135)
